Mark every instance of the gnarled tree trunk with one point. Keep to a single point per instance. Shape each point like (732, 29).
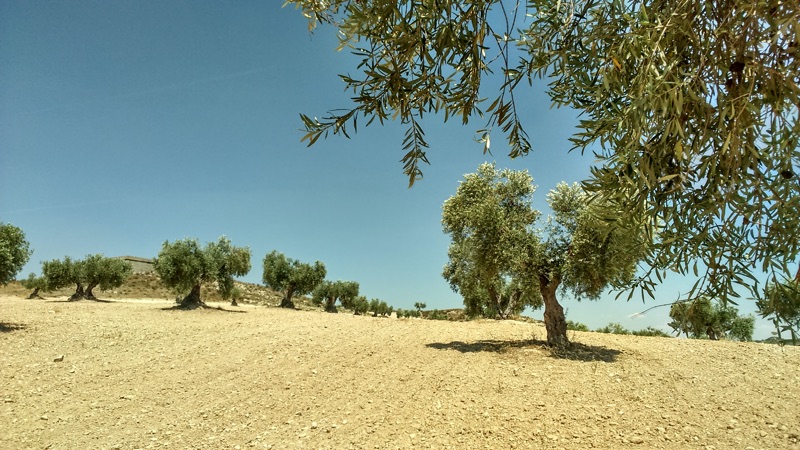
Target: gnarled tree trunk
(88, 294)
(34, 294)
(287, 299)
(554, 320)
(330, 305)
(193, 299)
(79, 293)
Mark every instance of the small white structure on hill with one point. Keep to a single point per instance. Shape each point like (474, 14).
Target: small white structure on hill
(140, 265)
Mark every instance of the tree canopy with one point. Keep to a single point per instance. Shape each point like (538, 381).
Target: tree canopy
(14, 252)
(500, 263)
(490, 221)
(291, 276)
(703, 318)
(690, 107)
(328, 292)
(184, 266)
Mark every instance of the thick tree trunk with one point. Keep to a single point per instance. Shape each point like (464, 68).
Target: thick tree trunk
(193, 299)
(554, 320)
(34, 294)
(88, 294)
(79, 293)
(330, 305)
(287, 299)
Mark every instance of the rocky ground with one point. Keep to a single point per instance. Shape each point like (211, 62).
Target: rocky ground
(129, 374)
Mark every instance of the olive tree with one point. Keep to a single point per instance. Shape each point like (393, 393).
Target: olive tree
(105, 273)
(690, 108)
(60, 273)
(184, 266)
(360, 305)
(34, 283)
(230, 262)
(291, 276)
(703, 318)
(490, 222)
(14, 252)
(499, 262)
(380, 308)
(328, 292)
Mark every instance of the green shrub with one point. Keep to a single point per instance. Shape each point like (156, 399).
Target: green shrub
(436, 315)
(613, 328)
(650, 331)
(576, 326)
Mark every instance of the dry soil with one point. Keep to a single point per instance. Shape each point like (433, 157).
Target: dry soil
(135, 374)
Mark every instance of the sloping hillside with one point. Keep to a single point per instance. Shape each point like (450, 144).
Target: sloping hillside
(148, 285)
(132, 374)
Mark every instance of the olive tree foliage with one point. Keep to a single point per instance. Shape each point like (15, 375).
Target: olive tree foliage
(184, 266)
(781, 304)
(328, 292)
(490, 221)
(690, 107)
(291, 276)
(229, 262)
(500, 263)
(703, 318)
(14, 252)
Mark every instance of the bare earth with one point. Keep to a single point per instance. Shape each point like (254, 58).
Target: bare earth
(136, 375)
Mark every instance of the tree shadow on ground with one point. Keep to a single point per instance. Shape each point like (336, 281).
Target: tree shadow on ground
(93, 300)
(7, 327)
(575, 352)
(203, 307)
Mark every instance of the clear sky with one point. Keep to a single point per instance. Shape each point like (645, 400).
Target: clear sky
(125, 123)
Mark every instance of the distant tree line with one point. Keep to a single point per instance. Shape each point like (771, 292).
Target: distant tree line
(497, 262)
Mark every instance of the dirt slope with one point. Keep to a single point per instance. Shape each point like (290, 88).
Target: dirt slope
(135, 375)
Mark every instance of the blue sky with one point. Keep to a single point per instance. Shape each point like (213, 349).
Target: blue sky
(124, 124)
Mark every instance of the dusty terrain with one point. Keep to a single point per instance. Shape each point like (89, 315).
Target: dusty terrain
(135, 374)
